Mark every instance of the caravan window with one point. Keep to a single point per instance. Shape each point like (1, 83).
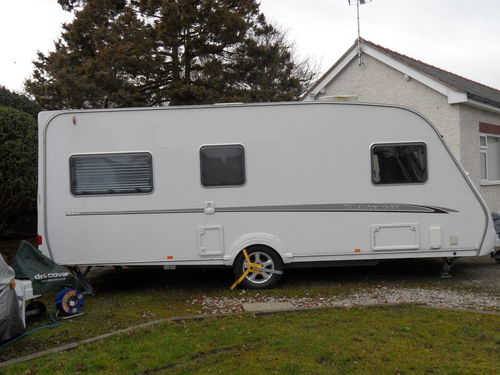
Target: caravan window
(403, 163)
(125, 173)
(222, 165)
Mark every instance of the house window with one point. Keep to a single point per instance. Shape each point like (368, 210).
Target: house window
(124, 173)
(222, 165)
(489, 152)
(399, 163)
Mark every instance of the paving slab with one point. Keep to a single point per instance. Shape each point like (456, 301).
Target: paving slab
(267, 306)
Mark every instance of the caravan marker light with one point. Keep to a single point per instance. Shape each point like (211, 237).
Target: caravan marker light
(39, 239)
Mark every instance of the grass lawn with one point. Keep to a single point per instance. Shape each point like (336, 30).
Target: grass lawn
(125, 299)
(389, 340)
(139, 295)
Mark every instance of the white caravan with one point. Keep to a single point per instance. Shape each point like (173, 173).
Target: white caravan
(292, 183)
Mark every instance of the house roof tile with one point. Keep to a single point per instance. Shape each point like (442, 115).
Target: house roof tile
(474, 90)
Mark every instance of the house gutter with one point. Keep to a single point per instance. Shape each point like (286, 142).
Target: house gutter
(480, 105)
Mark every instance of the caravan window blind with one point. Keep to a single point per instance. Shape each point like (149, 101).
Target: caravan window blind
(403, 163)
(125, 173)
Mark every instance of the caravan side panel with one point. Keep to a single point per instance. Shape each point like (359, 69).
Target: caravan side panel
(309, 187)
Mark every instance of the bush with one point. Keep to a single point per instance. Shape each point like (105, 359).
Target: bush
(18, 172)
(18, 101)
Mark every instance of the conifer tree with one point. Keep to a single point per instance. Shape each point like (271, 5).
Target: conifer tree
(150, 52)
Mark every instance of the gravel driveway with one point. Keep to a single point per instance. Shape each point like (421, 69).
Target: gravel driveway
(475, 285)
(377, 296)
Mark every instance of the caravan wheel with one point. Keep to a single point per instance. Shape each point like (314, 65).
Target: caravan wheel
(269, 260)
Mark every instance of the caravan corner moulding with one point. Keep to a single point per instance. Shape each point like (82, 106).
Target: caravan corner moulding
(292, 183)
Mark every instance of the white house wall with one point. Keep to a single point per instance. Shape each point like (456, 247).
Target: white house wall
(469, 128)
(379, 83)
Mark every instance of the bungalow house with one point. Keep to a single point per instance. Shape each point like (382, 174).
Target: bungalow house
(466, 113)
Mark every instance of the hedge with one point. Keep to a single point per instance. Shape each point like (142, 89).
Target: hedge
(18, 172)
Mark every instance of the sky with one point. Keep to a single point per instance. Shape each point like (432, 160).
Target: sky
(460, 36)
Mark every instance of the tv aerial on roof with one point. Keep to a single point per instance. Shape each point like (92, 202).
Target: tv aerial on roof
(358, 3)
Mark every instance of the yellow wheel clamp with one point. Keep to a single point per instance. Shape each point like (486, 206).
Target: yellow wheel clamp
(252, 267)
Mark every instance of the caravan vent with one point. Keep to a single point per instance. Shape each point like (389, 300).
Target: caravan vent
(338, 98)
(125, 173)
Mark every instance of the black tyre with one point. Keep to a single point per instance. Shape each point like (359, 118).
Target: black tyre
(269, 260)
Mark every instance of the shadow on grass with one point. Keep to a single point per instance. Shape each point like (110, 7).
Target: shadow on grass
(213, 280)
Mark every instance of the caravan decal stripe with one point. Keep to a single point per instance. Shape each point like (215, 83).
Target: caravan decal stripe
(340, 207)
(137, 212)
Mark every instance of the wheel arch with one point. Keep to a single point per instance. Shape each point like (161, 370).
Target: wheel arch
(253, 239)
